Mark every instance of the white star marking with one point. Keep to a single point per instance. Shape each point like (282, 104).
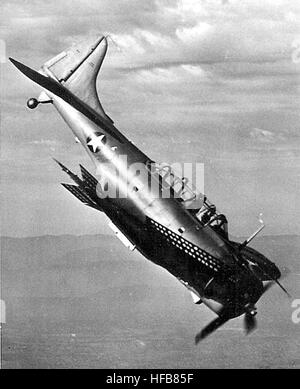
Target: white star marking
(95, 143)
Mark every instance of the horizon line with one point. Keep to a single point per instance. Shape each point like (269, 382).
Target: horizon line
(111, 234)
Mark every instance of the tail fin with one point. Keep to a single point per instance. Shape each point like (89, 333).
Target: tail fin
(77, 69)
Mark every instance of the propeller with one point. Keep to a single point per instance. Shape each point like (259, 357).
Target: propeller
(250, 322)
(210, 328)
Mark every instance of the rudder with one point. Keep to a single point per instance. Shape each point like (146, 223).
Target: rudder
(77, 69)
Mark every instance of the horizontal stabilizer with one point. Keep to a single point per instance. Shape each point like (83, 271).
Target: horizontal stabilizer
(59, 90)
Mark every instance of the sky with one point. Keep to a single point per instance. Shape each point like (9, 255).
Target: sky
(213, 82)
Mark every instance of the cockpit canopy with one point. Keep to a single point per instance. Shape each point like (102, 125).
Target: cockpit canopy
(191, 198)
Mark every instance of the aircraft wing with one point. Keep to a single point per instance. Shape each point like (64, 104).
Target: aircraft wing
(85, 189)
(81, 195)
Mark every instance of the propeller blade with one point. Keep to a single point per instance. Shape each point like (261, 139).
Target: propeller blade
(285, 291)
(211, 327)
(250, 323)
(279, 284)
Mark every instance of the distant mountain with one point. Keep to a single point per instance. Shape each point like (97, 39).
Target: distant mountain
(86, 301)
(66, 250)
(68, 267)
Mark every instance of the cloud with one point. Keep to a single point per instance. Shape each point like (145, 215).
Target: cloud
(266, 136)
(219, 78)
(49, 143)
(194, 34)
(172, 75)
(184, 31)
(44, 142)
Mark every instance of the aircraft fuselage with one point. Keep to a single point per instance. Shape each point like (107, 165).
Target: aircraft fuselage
(159, 226)
(132, 192)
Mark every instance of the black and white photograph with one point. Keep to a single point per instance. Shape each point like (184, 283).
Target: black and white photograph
(150, 186)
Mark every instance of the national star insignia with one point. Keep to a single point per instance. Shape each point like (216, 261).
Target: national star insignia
(95, 142)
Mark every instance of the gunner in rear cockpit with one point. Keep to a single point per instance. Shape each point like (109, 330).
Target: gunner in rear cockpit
(208, 214)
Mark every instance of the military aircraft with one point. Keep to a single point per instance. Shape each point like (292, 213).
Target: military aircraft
(150, 208)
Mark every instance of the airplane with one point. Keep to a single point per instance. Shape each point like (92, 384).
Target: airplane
(151, 209)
